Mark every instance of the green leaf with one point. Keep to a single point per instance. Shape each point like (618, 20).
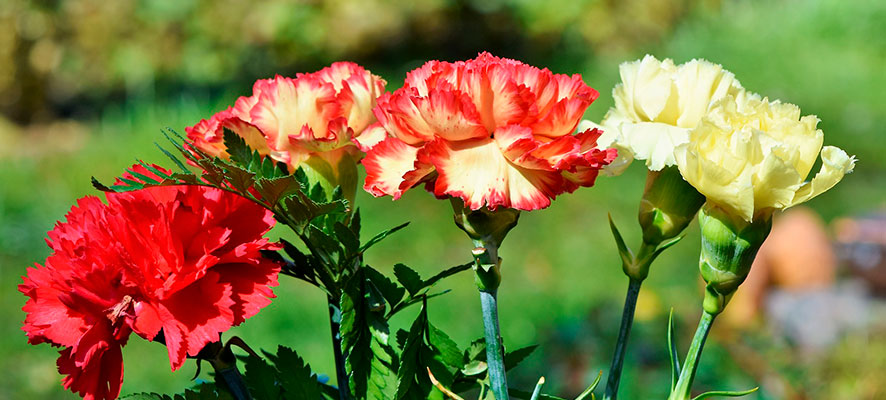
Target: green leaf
(261, 379)
(354, 224)
(626, 256)
(447, 273)
(295, 375)
(412, 380)
(381, 236)
(447, 349)
(392, 292)
(274, 189)
(347, 237)
(512, 358)
(236, 146)
(724, 393)
(365, 336)
(408, 278)
(590, 390)
(522, 394)
(239, 178)
(672, 351)
(146, 396)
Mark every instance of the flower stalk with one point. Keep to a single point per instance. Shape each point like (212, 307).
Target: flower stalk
(487, 228)
(682, 389)
(341, 374)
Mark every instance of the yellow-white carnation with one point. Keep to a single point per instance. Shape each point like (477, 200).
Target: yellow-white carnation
(750, 157)
(657, 103)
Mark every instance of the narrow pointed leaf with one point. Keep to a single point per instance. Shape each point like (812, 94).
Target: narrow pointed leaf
(625, 253)
(590, 390)
(724, 393)
(672, 351)
(381, 236)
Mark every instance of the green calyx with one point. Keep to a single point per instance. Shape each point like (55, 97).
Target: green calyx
(668, 205)
(331, 170)
(728, 247)
(484, 224)
(636, 266)
(487, 229)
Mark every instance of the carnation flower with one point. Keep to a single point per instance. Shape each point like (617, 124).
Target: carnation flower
(493, 132)
(295, 119)
(657, 103)
(183, 261)
(750, 157)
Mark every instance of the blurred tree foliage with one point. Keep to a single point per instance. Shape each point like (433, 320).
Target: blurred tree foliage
(63, 58)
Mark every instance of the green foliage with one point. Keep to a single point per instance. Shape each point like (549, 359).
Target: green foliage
(364, 331)
(246, 173)
(287, 376)
(204, 391)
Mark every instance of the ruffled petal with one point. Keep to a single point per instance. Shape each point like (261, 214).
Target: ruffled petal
(370, 137)
(478, 173)
(835, 164)
(94, 366)
(387, 165)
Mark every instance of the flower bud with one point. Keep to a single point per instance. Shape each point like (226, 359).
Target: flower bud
(728, 247)
(668, 205)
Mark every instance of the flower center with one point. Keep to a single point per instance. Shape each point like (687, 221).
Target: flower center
(121, 309)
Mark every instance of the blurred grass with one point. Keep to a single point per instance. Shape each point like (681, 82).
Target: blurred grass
(562, 282)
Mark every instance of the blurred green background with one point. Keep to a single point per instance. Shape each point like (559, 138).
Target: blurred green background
(86, 85)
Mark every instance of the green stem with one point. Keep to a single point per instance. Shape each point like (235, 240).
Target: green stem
(687, 373)
(487, 275)
(341, 374)
(494, 350)
(627, 320)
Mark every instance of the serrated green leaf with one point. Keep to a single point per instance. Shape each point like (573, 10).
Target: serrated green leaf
(512, 358)
(261, 379)
(392, 292)
(344, 234)
(274, 189)
(476, 351)
(205, 391)
(364, 333)
(295, 375)
(409, 383)
(146, 396)
(447, 349)
(239, 178)
(237, 148)
(354, 224)
(408, 278)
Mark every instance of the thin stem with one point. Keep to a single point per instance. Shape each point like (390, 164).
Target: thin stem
(627, 320)
(687, 373)
(494, 350)
(341, 375)
(233, 382)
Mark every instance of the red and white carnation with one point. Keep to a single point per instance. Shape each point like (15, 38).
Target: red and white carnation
(491, 131)
(294, 119)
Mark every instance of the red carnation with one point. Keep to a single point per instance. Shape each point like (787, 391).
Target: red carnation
(185, 260)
